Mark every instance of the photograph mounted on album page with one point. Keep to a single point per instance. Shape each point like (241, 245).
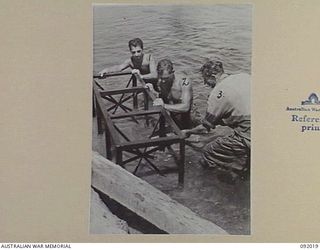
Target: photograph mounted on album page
(145, 122)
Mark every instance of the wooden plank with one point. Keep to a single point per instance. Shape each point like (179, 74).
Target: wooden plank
(163, 141)
(181, 162)
(122, 91)
(173, 125)
(135, 97)
(147, 201)
(136, 113)
(99, 118)
(110, 75)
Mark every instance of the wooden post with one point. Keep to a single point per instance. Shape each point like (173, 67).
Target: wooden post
(93, 105)
(108, 143)
(162, 128)
(99, 118)
(119, 156)
(181, 162)
(146, 106)
(135, 97)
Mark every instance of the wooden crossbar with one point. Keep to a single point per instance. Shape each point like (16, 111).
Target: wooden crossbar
(136, 113)
(122, 91)
(96, 76)
(163, 141)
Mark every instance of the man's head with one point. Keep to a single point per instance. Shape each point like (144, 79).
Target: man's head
(165, 75)
(211, 71)
(136, 47)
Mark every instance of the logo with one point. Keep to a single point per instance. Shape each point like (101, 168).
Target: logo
(307, 115)
(312, 100)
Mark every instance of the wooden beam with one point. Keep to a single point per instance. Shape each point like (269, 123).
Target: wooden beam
(162, 141)
(95, 75)
(122, 91)
(172, 124)
(146, 201)
(136, 113)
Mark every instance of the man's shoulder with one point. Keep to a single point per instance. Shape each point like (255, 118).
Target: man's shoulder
(147, 56)
(183, 80)
(241, 80)
(217, 94)
(231, 87)
(220, 93)
(240, 77)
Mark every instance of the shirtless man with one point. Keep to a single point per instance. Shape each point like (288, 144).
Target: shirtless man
(175, 94)
(138, 62)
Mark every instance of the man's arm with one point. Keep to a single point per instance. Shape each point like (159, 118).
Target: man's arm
(153, 70)
(116, 68)
(217, 107)
(186, 98)
(200, 129)
(150, 87)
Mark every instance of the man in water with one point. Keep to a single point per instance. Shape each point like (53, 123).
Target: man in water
(138, 62)
(175, 94)
(228, 105)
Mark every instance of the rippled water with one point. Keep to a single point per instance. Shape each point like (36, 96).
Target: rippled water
(185, 34)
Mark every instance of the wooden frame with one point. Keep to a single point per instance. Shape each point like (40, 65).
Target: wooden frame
(115, 147)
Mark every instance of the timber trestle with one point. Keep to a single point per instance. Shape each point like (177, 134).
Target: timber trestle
(116, 107)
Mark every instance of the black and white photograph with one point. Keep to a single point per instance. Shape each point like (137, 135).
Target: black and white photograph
(171, 119)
